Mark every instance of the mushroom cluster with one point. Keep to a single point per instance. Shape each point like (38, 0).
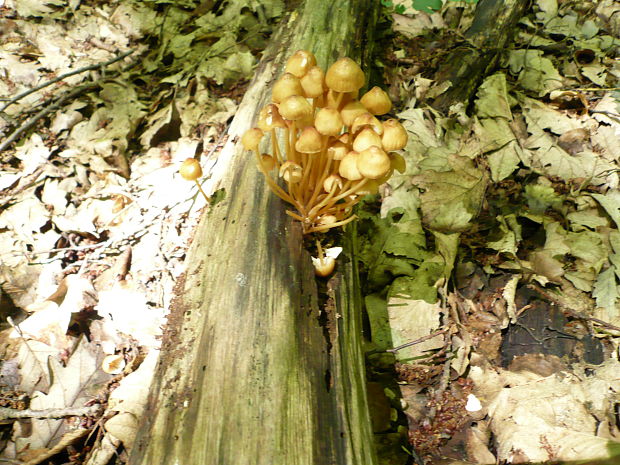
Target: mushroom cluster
(333, 149)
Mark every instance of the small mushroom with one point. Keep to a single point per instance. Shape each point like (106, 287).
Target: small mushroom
(191, 170)
(300, 63)
(377, 101)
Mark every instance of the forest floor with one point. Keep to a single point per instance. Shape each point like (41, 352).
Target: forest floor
(496, 254)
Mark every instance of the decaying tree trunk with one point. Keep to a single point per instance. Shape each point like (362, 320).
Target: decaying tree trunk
(248, 375)
(467, 65)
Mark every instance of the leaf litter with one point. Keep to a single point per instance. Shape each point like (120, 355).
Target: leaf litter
(504, 227)
(94, 218)
(520, 192)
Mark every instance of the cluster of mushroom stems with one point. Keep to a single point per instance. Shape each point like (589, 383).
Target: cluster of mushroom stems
(328, 148)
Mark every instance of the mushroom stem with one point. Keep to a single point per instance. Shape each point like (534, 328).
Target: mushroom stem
(295, 216)
(320, 250)
(201, 191)
(276, 149)
(272, 184)
(325, 208)
(318, 183)
(313, 212)
(307, 179)
(337, 209)
(314, 173)
(292, 153)
(325, 227)
(338, 100)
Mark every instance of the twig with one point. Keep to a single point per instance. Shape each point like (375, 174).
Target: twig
(62, 249)
(31, 122)
(63, 76)
(24, 183)
(444, 381)
(10, 413)
(417, 341)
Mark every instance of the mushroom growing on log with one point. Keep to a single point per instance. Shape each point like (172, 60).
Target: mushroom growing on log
(247, 374)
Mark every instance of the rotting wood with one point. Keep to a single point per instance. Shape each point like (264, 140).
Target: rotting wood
(246, 375)
(468, 64)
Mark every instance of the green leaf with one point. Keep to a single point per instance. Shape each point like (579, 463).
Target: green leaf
(459, 191)
(504, 161)
(493, 133)
(420, 286)
(605, 289)
(536, 73)
(492, 101)
(451, 217)
(391, 246)
(447, 247)
(376, 309)
(507, 241)
(539, 116)
(427, 6)
(588, 247)
(540, 197)
(611, 203)
(555, 242)
(589, 218)
(582, 280)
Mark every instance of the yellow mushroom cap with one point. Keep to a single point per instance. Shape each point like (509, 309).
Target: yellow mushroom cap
(324, 267)
(394, 135)
(190, 169)
(309, 141)
(328, 122)
(346, 138)
(251, 138)
(366, 119)
(373, 163)
(377, 101)
(337, 150)
(268, 162)
(366, 138)
(269, 118)
(345, 76)
(327, 219)
(300, 62)
(351, 110)
(333, 181)
(291, 172)
(287, 85)
(313, 83)
(295, 108)
(348, 167)
(398, 162)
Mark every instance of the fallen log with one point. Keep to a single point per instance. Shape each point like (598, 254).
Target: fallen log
(248, 374)
(468, 64)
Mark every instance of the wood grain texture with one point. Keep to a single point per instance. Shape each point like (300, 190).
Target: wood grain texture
(247, 374)
(468, 64)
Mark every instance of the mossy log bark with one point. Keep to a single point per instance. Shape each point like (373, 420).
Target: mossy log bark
(467, 65)
(248, 374)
